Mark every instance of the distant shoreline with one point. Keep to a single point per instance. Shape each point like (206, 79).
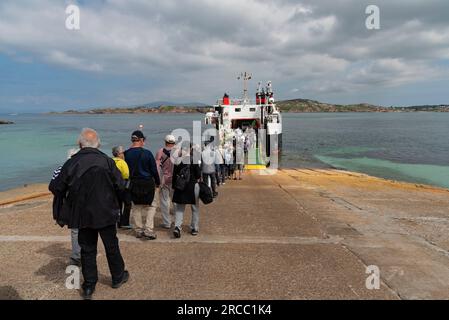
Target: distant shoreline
(6, 122)
(290, 106)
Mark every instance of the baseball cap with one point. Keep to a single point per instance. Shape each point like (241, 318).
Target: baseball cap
(170, 139)
(137, 135)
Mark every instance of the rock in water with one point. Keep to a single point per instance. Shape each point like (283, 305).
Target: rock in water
(6, 122)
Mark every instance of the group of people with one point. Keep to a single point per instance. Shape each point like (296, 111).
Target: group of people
(94, 194)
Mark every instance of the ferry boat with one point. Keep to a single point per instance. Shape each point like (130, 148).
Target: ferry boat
(258, 120)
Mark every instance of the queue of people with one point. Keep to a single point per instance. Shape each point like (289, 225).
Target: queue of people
(94, 194)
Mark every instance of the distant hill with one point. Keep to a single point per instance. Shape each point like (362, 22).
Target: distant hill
(157, 104)
(305, 105)
(140, 110)
(294, 105)
(425, 108)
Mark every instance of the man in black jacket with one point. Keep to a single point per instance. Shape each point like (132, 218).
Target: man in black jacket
(88, 185)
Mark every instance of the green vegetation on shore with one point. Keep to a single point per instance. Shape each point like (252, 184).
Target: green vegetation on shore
(295, 106)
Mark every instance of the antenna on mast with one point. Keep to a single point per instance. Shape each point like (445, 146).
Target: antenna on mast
(245, 76)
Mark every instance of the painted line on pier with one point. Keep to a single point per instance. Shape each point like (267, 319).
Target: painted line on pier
(190, 239)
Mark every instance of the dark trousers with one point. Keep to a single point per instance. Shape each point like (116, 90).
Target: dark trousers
(217, 174)
(125, 214)
(87, 239)
(212, 180)
(223, 171)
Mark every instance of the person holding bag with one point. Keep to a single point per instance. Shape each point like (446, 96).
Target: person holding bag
(186, 175)
(144, 179)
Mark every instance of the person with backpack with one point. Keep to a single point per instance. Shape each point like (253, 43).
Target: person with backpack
(89, 184)
(144, 180)
(208, 158)
(186, 175)
(165, 166)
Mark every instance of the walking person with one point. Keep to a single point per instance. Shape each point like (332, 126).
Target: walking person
(208, 167)
(220, 165)
(75, 257)
(165, 166)
(118, 154)
(186, 175)
(239, 156)
(90, 182)
(144, 180)
(228, 161)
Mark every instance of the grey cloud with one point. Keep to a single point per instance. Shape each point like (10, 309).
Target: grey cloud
(322, 46)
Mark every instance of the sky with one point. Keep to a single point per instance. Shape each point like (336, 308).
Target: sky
(131, 52)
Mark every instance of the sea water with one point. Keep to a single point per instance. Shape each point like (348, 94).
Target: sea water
(411, 147)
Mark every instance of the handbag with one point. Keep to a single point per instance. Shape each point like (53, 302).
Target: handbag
(206, 195)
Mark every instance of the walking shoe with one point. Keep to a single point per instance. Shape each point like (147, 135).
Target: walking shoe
(75, 262)
(177, 233)
(87, 293)
(163, 226)
(139, 234)
(194, 232)
(125, 278)
(150, 236)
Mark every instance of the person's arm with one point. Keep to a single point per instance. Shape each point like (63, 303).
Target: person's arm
(125, 170)
(153, 170)
(159, 158)
(116, 176)
(58, 185)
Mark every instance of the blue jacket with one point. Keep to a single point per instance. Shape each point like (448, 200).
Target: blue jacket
(146, 168)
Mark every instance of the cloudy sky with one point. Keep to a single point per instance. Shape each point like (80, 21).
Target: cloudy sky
(130, 52)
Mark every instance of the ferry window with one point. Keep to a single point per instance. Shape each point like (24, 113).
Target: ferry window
(238, 109)
(252, 109)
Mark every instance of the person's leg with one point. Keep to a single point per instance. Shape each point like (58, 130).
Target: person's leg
(88, 239)
(124, 218)
(164, 197)
(205, 177)
(172, 204)
(223, 173)
(76, 249)
(150, 213)
(179, 215)
(195, 223)
(213, 183)
(136, 218)
(217, 174)
(111, 245)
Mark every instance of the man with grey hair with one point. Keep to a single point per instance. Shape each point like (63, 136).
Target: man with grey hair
(89, 183)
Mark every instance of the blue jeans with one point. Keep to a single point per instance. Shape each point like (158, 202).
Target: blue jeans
(181, 208)
(76, 249)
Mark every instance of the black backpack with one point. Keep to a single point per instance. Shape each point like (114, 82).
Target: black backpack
(182, 178)
(206, 195)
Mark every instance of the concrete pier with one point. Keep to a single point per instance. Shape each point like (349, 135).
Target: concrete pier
(299, 234)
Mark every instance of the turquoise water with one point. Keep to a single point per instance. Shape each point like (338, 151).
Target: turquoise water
(411, 147)
(424, 173)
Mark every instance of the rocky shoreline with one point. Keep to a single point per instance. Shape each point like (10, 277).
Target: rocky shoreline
(292, 106)
(6, 122)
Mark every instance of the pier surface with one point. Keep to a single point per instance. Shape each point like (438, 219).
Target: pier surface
(299, 234)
